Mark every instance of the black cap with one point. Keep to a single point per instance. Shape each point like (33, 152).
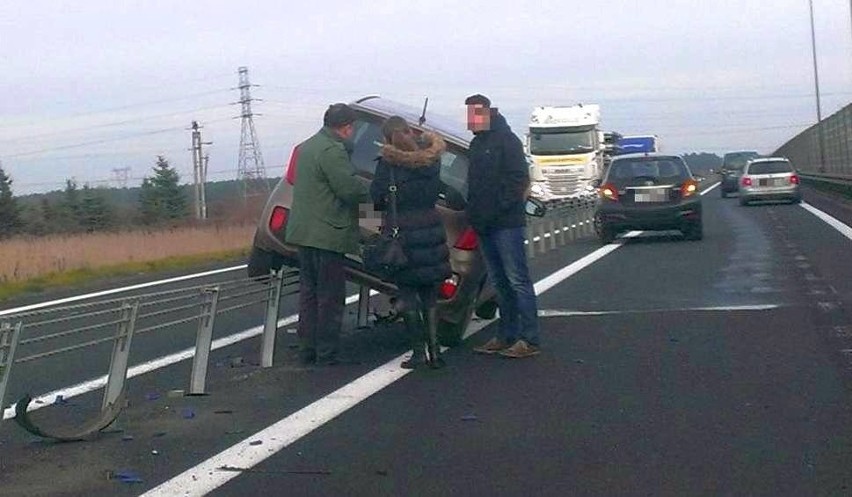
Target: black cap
(339, 115)
(478, 100)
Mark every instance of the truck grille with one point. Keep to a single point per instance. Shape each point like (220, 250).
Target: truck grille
(560, 182)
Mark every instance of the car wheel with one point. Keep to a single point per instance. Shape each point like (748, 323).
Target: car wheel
(724, 193)
(487, 310)
(743, 201)
(694, 231)
(261, 262)
(451, 334)
(606, 234)
(797, 200)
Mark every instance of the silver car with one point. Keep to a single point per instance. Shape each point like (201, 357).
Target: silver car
(770, 178)
(467, 291)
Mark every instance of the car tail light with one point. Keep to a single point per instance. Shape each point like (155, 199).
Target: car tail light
(290, 174)
(449, 288)
(467, 240)
(609, 192)
(278, 219)
(794, 179)
(745, 181)
(688, 188)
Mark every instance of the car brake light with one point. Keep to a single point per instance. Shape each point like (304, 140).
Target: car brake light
(688, 188)
(609, 191)
(745, 181)
(794, 179)
(467, 240)
(290, 174)
(448, 289)
(278, 219)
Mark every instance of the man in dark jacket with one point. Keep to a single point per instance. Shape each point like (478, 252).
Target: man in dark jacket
(324, 224)
(499, 179)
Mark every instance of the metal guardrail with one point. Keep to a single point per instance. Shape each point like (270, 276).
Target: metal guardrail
(834, 179)
(32, 336)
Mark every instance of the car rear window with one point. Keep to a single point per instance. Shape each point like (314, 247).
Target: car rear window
(368, 139)
(772, 167)
(658, 170)
(737, 161)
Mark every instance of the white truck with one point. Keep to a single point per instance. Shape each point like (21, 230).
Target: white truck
(565, 148)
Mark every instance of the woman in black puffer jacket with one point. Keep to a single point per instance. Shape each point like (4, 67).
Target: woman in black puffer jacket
(416, 163)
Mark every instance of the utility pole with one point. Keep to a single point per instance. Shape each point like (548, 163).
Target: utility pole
(820, 131)
(250, 169)
(199, 170)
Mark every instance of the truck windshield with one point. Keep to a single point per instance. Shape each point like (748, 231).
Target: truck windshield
(557, 141)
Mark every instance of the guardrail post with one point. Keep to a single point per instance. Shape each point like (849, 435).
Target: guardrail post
(564, 226)
(542, 247)
(9, 336)
(270, 326)
(530, 247)
(552, 227)
(120, 353)
(363, 306)
(203, 340)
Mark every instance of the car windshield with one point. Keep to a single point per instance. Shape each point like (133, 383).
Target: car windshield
(770, 167)
(556, 141)
(738, 160)
(658, 170)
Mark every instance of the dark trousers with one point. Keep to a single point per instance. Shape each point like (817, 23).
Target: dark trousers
(322, 296)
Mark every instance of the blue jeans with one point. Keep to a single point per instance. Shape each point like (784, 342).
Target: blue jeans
(506, 259)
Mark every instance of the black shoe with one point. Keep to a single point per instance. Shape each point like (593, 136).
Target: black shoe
(417, 359)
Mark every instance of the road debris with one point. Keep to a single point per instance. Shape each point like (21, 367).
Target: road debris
(276, 472)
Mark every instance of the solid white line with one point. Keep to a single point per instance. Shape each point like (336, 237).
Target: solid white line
(113, 291)
(835, 223)
(159, 363)
(206, 476)
(552, 313)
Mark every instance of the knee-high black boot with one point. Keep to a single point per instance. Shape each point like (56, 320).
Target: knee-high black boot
(415, 329)
(435, 361)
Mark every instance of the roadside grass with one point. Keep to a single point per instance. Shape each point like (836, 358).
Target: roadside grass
(31, 265)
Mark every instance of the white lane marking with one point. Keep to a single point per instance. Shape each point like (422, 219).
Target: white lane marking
(77, 298)
(159, 363)
(206, 476)
(552, 313)
(835, 223)
(709, 188)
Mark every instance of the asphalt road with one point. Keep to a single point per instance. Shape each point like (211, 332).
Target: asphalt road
(718, 367)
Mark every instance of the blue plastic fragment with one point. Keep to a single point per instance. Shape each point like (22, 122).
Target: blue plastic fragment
(187, 413)
(127, 477)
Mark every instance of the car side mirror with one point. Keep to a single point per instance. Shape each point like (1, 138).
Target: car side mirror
(535, 207)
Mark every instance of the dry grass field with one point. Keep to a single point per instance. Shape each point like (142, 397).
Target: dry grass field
(24, 259)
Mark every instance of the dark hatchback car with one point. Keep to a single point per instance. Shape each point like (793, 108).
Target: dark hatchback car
(648, 192)
(467, 291)
(733, 164)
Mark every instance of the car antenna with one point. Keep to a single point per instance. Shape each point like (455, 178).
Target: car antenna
(423, 115)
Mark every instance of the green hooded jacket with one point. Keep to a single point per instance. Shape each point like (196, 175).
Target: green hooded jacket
(326, 196)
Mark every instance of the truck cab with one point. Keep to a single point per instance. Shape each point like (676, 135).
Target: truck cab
(564, 147)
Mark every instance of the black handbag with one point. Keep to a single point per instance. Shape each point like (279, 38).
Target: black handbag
(383, 253)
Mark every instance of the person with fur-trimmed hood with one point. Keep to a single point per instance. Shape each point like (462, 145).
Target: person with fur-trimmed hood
(416, 168)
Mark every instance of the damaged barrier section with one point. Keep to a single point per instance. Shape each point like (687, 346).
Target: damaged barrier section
(53, 332)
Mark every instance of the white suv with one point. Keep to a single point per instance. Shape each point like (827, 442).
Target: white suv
(770, 178)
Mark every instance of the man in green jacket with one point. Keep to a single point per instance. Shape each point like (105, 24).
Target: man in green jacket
(324, 224)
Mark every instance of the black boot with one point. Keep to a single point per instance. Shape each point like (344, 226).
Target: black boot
(414, 329)
(435, 361)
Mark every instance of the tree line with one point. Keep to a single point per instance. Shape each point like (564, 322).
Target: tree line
(161, 200)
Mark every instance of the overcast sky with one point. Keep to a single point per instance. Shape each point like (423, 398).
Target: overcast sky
(90, 86)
